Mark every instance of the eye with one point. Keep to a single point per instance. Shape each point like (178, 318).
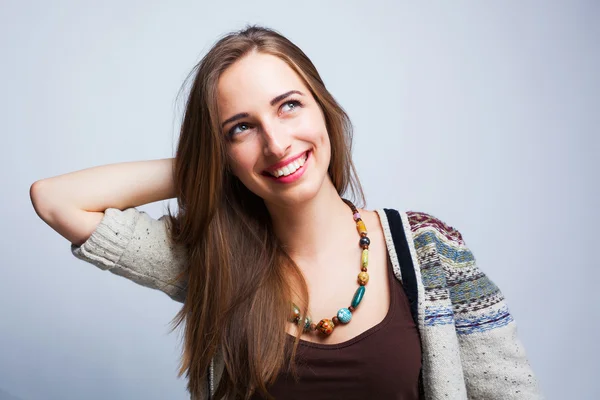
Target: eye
(295, 104)
(232, 132)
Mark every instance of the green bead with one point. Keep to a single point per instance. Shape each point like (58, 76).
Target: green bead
(365, 258)
(360, 292)
(307, 323)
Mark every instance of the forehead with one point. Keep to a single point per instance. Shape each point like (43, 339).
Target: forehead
(254, 80)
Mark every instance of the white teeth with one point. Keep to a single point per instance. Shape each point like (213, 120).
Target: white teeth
(290, 168)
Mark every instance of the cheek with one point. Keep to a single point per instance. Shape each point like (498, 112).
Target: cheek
(320, 128)
(241, 160)
(314, 130)
(319, 135)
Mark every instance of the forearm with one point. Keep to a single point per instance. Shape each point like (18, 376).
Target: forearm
(74, 203)
(121, 185)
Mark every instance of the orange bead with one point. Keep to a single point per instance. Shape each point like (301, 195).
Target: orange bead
(325, 326)
(362, 229)
(363, 278)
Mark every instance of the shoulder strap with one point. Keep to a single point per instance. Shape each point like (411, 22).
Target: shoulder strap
(409, 279)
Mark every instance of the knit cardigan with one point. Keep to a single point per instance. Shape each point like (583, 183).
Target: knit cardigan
(470, 347)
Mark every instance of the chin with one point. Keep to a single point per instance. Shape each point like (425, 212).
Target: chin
(303, 192)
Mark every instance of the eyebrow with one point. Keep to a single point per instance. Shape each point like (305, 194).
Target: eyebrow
(274, 101)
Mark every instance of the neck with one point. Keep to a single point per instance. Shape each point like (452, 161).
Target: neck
(311, 229)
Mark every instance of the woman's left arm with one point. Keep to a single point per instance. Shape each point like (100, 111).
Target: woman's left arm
(494, 361)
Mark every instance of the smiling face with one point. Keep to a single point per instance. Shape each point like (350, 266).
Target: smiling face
(278, 144)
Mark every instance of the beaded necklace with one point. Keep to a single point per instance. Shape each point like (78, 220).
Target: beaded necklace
(344, 315)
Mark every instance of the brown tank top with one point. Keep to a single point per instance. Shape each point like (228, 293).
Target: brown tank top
(383, 362)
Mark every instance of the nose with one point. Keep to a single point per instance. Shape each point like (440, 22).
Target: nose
(276, 141)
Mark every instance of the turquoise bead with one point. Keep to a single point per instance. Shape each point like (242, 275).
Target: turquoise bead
(307, 323)
(344, 315)
(360, 292)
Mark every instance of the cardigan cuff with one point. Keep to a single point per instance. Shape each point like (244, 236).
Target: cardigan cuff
(109, 240)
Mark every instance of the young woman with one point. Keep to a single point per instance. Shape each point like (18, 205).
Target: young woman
(288, 289)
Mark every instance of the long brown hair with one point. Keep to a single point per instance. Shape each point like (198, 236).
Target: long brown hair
(240, 279)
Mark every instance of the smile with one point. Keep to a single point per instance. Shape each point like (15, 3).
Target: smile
(291, 171)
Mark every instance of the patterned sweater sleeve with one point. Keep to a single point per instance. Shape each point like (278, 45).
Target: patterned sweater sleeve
(495, 363)
(132, 244)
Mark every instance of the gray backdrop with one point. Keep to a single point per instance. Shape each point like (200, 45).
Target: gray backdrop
(482, 114)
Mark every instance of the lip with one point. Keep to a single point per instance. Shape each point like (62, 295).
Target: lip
(283, 163)
(296, 175)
